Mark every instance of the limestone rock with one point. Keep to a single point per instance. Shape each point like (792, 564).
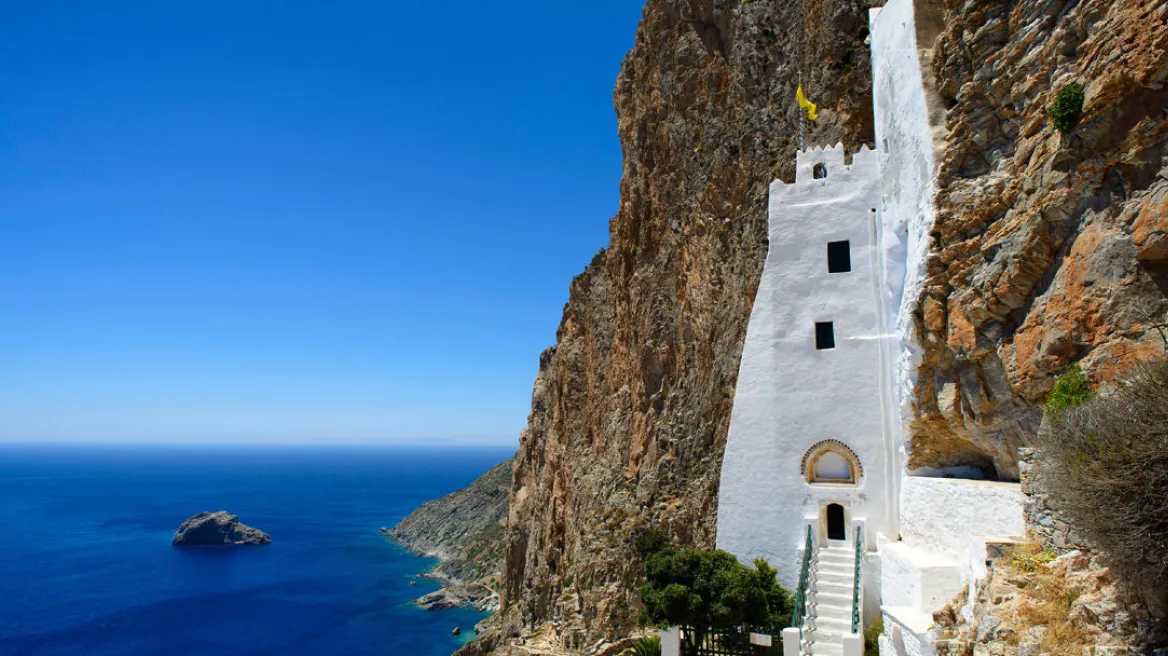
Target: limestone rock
(1067, 606)
(217, 529)
(1052, 248)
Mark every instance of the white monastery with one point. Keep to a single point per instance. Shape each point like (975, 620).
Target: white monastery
(814, 476)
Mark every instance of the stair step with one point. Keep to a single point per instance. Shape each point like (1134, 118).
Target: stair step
(832, 622)
(830, 636)
(836, 558)
(833, 595)
(837, 555)
(836, 563)
(834, 581)
(833, 610)
(826, 649)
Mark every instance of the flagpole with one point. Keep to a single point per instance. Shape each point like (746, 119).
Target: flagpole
(800, 110)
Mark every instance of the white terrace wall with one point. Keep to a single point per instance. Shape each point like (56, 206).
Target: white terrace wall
(790, 395)
(942, 514)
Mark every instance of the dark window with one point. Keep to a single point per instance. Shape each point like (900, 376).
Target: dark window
(819, 172)
(824, 335)
(839, 257)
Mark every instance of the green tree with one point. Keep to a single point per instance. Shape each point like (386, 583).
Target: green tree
(711, 589)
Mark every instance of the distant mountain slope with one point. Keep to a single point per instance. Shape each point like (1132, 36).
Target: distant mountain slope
(463, 529)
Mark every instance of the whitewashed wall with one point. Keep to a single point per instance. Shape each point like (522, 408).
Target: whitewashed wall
(905, 143)
(791, 395)
(944, 513)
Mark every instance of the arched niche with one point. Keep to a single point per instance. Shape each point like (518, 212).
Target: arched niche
(832, 462)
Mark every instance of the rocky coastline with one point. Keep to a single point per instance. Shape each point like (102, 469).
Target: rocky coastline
(464, 530)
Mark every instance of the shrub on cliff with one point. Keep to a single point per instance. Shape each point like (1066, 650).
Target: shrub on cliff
(1106, 466)
(710, 589)
(1071, 389)
(1067, 108)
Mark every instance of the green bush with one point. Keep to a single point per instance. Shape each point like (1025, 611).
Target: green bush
(645, 646)
(872, 636)
(711, 589)
(648, 543)
(1070, 390)
(1067, 108)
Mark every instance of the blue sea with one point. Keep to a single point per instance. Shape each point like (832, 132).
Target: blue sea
(86, 564)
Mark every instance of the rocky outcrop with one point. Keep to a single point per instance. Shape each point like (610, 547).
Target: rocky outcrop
(464, 531)
(474, 594)
(1045, 521)
(1032, 604)
(631, 407)
(1048, 248)
(217, 529)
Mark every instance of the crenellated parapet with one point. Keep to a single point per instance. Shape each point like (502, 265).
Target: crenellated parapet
(818, 164)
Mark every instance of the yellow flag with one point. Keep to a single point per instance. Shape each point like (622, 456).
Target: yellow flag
(805, 104)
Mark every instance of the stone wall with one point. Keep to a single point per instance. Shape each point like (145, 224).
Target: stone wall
(1044, 522)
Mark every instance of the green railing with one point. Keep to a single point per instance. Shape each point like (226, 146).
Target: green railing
(804, 574)
(856, 584)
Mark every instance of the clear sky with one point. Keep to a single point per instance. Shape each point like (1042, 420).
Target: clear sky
(235, 220)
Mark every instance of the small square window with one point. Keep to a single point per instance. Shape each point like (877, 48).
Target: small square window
(839, 257)
(824, 335)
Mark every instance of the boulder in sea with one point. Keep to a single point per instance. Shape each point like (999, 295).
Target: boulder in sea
(216, 529)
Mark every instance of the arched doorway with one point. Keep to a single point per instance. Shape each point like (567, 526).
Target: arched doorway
(836, 526)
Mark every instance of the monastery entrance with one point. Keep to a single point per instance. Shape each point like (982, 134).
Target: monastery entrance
(836, 526)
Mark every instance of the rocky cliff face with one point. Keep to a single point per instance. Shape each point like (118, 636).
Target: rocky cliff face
(631, 407)
(1048, 248)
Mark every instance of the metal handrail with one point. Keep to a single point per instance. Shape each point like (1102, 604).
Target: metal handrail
(856, 583)
(798, 612)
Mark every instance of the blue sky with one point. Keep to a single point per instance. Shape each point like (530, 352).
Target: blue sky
(288, 221)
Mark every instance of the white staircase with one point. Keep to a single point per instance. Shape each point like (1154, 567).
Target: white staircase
(830, 591)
